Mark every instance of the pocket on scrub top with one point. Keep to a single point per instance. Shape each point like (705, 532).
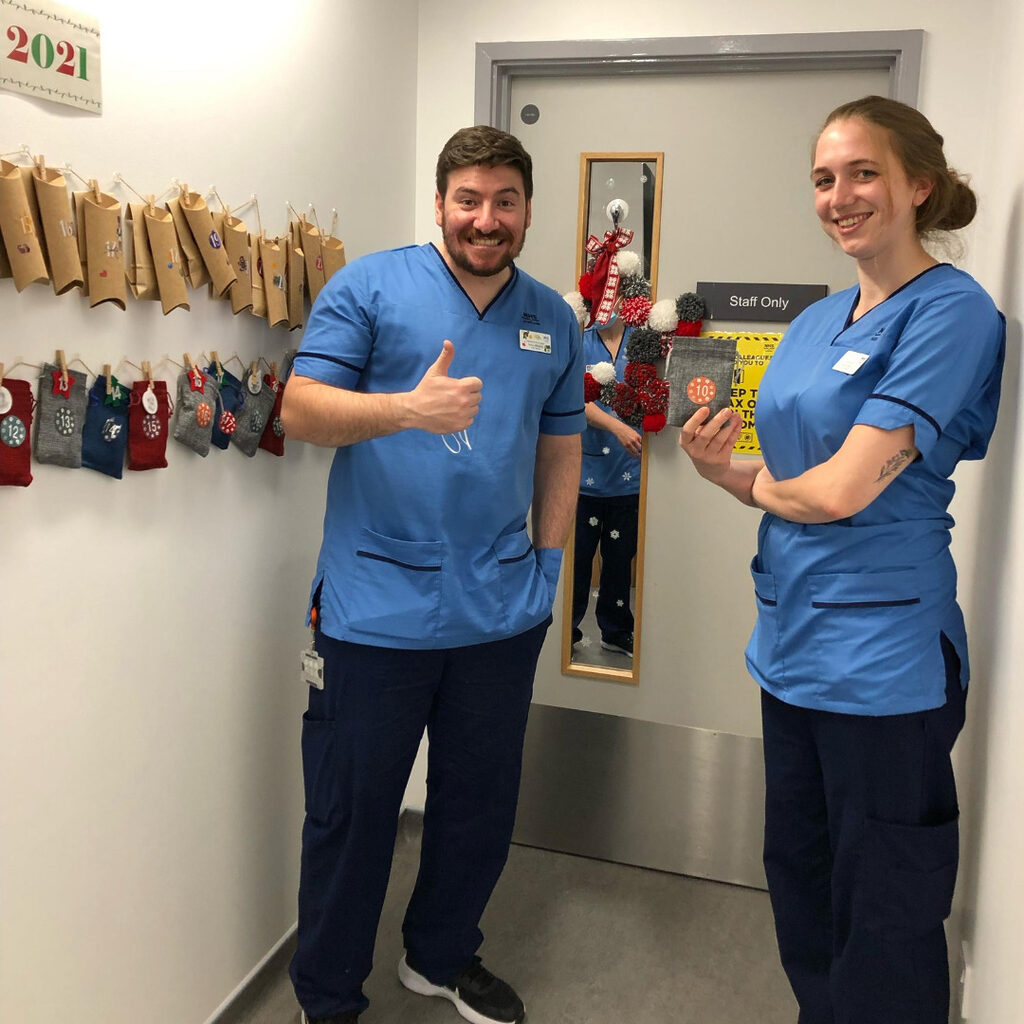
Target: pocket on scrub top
(766, 630)
(395, 587)
(872, 622)
(522, 584)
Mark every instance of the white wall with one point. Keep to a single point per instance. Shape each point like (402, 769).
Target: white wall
(971, 88)
(150, 783)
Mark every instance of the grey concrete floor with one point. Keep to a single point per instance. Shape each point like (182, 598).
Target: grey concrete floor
(583, 942)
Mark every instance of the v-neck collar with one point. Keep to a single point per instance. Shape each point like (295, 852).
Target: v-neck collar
(856, 297)
(458, 284)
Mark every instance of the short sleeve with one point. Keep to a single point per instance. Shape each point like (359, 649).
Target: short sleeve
(943, 373)
(339, 335)
(563, 411)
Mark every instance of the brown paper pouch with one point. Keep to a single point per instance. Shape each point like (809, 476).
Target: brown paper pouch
(296, 285)
(333, 256)
(208, 241)
(195, 268)
(314, 258)
(217, 216)
(236, 242)
(275, 279)
(168, 262)
(259, 295)
(138, 259)
(59, 229)
(5, 263)
(104, 249)
(20, 228)
(78, 205)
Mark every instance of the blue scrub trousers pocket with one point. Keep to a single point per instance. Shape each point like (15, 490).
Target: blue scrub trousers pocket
(319, 772)
(908, 874)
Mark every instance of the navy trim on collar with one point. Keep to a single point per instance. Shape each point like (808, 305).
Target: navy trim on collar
(504, 288)
(849, 316)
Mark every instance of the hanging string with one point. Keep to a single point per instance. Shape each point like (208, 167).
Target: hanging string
(118, 180)
(21, 362)
(224, 206)
(81, 362)
(68, 169)
(334, 223)
(22, 150)
(312, 213)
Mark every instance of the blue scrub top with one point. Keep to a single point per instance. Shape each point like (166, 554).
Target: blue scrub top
(608, 469)
(850, 612)
(425, 542)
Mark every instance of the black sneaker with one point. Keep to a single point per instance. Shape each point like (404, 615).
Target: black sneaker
(620, 644)
(349, 1017)
(478, 995)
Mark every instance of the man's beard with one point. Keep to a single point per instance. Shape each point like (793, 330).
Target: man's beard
(456, 249)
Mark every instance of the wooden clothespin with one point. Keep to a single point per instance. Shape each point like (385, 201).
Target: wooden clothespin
(189, 365)
(41, 164)
(151, 201)
(215, 359)
(95, 186)
(147, 372)
(110, 379)
(63, 364)
(254, 371)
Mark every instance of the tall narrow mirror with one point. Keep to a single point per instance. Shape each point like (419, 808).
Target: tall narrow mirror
(619, 214)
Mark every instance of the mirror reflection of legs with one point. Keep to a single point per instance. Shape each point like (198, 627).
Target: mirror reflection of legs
(608, 525)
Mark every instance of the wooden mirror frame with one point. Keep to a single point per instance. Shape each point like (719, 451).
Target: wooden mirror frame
(583, 232)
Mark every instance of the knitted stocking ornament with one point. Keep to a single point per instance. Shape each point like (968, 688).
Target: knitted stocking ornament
(105, 436)
(61, 418)
(15, 428)
(225, 420)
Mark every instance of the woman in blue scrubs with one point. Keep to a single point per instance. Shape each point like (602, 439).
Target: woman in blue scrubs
(872, 398)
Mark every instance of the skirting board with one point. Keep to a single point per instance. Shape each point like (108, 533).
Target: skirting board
(668, 797)
(251, 984)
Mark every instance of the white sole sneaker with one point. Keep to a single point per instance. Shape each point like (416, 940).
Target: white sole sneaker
(415, 982)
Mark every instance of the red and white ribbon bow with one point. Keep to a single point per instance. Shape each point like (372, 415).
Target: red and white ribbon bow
(606, 271)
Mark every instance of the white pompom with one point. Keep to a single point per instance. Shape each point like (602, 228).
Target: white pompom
(575, 300)
(629, 263)
(603, 373)
(663, 316)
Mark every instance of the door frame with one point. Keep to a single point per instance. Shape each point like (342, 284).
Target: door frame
(498, 63)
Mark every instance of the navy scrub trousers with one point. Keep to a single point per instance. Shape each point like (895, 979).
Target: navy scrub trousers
(861, 847)
(360, 735)
(621, 514)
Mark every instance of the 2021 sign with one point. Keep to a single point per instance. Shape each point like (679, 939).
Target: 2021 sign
(73, 59)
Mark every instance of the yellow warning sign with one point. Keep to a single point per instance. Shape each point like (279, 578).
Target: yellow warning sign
(753, 353)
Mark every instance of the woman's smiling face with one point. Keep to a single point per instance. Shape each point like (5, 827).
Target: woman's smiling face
(862, 195)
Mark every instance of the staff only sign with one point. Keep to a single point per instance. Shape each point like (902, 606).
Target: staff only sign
(774, 303)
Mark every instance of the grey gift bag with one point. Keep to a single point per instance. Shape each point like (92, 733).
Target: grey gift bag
(699, 374)
(252, 416)
(61, 417)
(196, 410)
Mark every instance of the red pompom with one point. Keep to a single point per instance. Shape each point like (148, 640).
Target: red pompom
(586, 286)
(666, 345)
(638, 374)
(635, 311)
(654, 422)
(688, 328)
(591, 388)
(625, 401)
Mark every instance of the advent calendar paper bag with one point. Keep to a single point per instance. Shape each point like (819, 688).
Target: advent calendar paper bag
(5, 263)
(59, 229)
(275, 280)
(296, 285)
(208, 242)
(78, 206)
(236, 244)
(138, 257)
(195, 269)
(333, 250)
(104, 250)
(19, 226)
(699, 373)
(168, 264)
(311, 249)
(259, 295)
(217, 216)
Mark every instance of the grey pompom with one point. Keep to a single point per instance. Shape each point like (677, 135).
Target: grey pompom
(690, 306)
(644, 346)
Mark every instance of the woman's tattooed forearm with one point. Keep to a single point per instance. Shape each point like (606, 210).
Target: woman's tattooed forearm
(895, 464)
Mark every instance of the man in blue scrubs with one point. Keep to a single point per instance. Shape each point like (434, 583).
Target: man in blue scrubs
(451, 384)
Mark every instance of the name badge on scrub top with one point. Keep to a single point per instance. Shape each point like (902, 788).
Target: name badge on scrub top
(850, 362)
(534, 341)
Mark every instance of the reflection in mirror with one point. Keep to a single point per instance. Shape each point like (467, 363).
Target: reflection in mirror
(618, 229)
